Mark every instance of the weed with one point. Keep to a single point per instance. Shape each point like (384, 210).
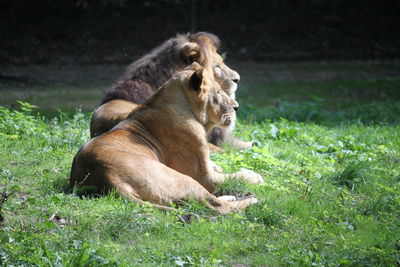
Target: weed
(349, 174)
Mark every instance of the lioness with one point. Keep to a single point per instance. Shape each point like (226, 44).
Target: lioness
(160, 152)
(144, 76)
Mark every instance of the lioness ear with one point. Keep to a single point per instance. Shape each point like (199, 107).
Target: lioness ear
(196, 80)
(190, 52)
(194, 66)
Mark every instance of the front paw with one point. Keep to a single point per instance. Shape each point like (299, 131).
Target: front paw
(215, 167)
(249, 176)
(227, 198)
(215, 148)
(243, 145)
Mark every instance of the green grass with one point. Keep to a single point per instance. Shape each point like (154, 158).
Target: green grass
(331, 195)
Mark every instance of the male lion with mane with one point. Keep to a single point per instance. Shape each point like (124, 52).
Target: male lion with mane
(160, 152)
(144, 76)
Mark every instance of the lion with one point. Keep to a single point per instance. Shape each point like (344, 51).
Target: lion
(160, 153)
(144, 76)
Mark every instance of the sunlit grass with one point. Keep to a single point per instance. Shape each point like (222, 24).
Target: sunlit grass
(328, 147)
(331, 197)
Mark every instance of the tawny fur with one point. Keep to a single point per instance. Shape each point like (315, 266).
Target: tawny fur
(160, 152)
(145, 76)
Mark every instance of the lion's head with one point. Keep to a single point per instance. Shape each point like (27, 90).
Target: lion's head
(208, 102)
(210, 58)
(146, 75)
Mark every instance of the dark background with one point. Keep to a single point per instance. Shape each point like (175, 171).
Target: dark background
(101, 31)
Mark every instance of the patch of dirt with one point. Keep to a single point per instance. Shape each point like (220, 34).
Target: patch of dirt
(251, 72)
(67, 87)
(255, 73)
(75, 75)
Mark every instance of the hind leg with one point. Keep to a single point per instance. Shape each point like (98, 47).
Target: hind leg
(141, 179)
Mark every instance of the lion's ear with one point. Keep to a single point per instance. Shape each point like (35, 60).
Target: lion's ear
(196, 80)
(190, 52)
(194, 66)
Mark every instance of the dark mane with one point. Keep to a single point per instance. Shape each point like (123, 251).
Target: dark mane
(144, 76)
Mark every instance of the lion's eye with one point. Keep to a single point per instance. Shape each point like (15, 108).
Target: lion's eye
(219, 92)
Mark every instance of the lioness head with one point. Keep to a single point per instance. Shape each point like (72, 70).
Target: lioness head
(202, 48)
(208, 102)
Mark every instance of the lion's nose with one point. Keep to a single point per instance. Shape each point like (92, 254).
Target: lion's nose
(236, 79)
(236, 107)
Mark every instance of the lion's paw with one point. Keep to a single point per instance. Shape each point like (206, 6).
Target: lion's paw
(215, 167)
(249, 176)
(243, 144)
(253, 200)
(227, 198)
(244, 203)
